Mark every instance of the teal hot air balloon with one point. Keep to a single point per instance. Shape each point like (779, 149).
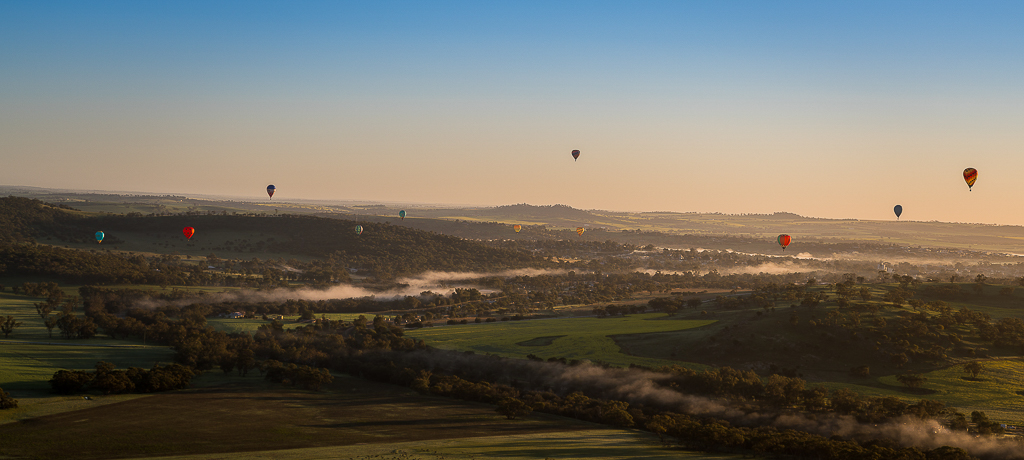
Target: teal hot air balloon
(99, 237)
(401, 214)
(898, 210)
(359, 229)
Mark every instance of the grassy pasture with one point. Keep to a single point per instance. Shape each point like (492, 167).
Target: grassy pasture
(241, 420)
(603, 444)
(997, 391)
(251, 324)
(572, 338)
(29, 358)
(991, 301)
(743, 340)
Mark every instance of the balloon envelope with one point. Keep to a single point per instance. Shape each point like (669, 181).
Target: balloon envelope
(970, 175)
(575, 154)
(99, 237)
(898, 210)
(517, 227)
(270, 190)
(359, 229)
(188, 231)
(784, 241)
(401, 214)
(580, 230)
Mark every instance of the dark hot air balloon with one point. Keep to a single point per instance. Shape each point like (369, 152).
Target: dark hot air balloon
(784, 241)
(359, 229)
(970, 175)
(575, 155)
(898, 210)
(270, 191)
(99, 237)
(188, 231)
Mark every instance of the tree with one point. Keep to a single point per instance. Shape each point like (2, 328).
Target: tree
(6, 401)
(860, 371)
(50, 322)
(949, 453)
(895, 297)
(512, 408)
(911, 380)
(7, 325)
(974, 368)
(69, 382)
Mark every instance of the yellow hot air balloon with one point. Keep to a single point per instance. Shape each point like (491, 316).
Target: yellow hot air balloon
(580, 230)
(517, 227)
(970, 175)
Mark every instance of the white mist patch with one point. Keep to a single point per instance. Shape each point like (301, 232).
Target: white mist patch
(437, 282)
(771, 268)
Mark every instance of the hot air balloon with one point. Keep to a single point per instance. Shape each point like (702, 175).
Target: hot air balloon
(401, 214)
(898, 210)
(99, 237)
(970, 175)
(517, 227)
(188, 231)
(580, 230)
(270, 191)
(575, 155)
(359, 229)
(784, 241)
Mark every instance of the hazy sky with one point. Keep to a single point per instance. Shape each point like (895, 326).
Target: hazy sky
(826, 109)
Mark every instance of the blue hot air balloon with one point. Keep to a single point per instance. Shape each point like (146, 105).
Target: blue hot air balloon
(898, 210)
(99, 237)
(401, 214)
(270, 191)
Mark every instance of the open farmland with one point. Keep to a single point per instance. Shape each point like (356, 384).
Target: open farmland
(603, 444)
(376, 418)
(570, 338)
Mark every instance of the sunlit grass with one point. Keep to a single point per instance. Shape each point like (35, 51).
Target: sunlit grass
(994, 391)
(603, 444)
(578, 338)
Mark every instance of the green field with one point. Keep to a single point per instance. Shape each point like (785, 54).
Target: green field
(998, 390)
(603, 444)
(30, 357)
(251, 324)
(351, 418)
(570, 338)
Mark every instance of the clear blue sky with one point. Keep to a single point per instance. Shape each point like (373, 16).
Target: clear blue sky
(826, 109)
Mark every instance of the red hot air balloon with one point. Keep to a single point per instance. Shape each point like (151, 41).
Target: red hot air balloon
(517, 227)
(188, 231)
(970, 175)
(575, 155)
(784, 241)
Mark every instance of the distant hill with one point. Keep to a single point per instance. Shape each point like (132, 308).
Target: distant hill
(557, 221)
(382, 248)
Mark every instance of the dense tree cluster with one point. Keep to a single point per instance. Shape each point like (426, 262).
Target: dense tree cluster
(310, 378)
(20, 218)
(109, 380)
